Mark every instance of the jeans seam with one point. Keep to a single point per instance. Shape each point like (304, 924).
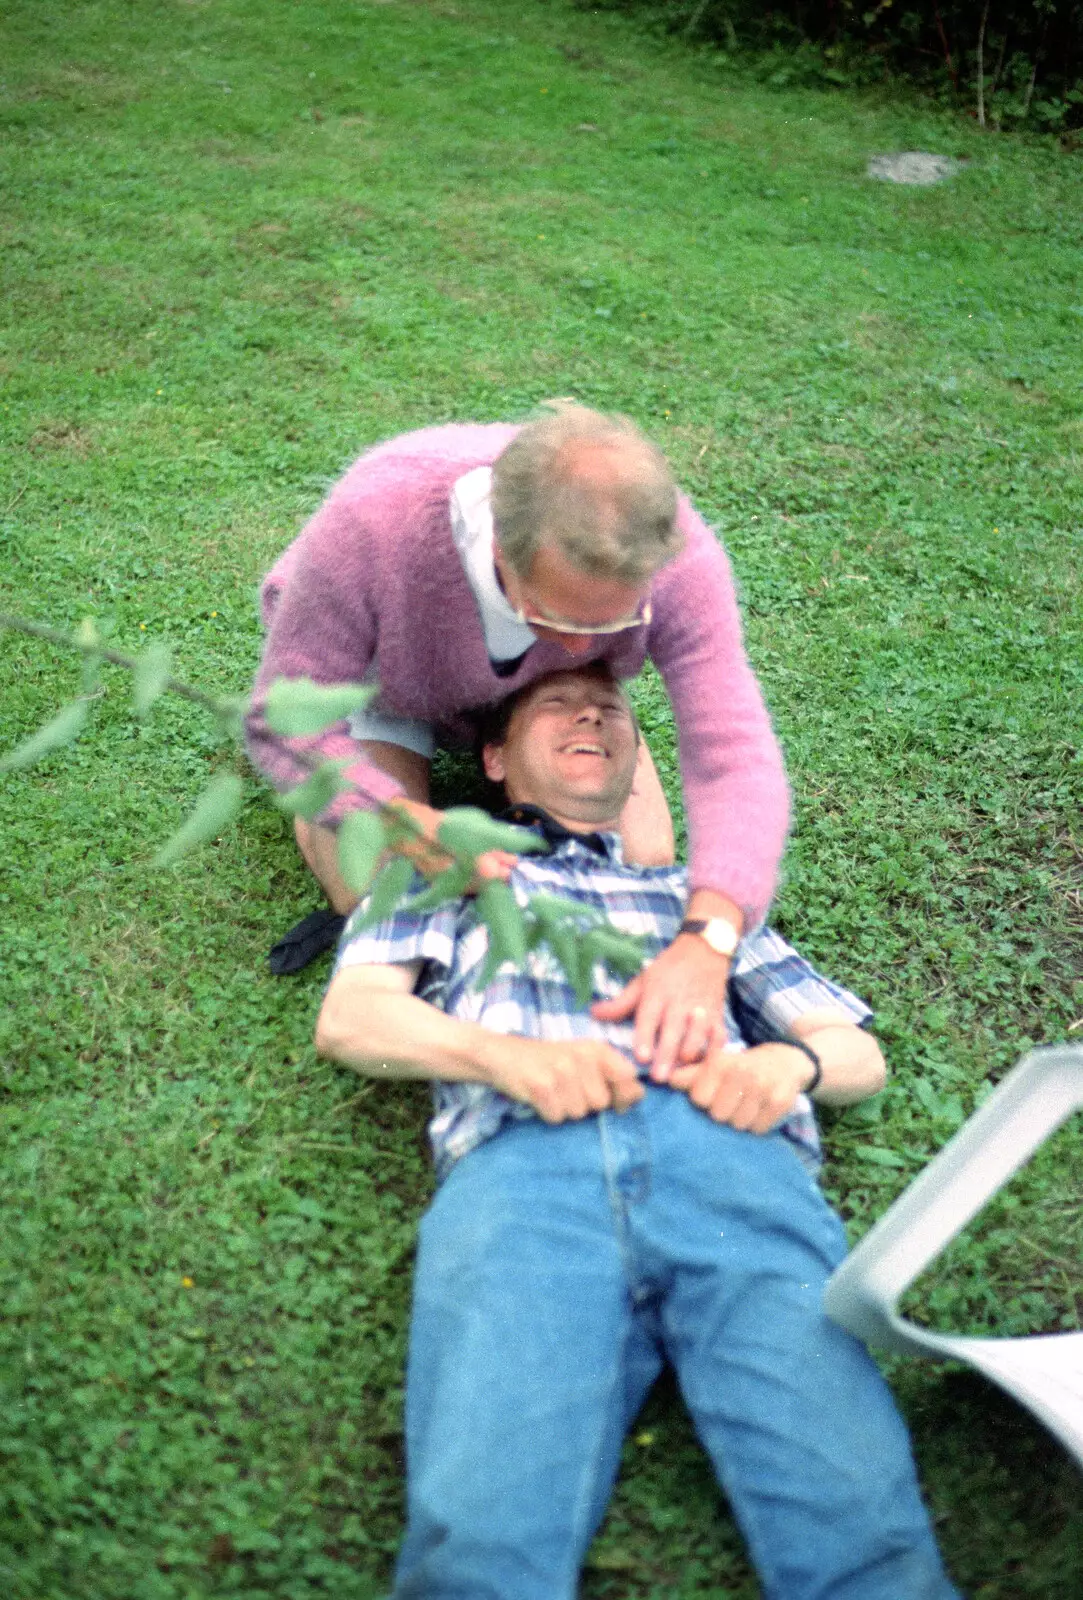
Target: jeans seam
(617, 1205)
(589, 1480)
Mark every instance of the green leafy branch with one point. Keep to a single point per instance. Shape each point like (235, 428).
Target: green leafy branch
(371, 841)
(577, 936)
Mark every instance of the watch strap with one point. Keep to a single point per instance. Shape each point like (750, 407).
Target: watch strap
(702, 926)
(817, 1064)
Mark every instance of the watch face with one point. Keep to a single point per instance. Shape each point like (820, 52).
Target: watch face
(721, 935)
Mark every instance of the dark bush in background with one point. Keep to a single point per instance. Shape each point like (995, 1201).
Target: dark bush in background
(1015, 63)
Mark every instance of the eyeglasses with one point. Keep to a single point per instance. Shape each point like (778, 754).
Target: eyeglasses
(641, 619)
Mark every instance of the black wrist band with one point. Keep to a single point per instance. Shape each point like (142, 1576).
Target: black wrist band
(817, 1064)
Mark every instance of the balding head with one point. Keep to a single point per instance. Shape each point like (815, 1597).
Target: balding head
(591, 486)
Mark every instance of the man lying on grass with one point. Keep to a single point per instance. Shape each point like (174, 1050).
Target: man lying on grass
(593, 1222)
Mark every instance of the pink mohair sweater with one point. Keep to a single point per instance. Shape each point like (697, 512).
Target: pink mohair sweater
(375, 580)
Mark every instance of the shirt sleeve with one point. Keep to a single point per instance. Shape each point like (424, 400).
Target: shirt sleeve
(401, 939)
(772, 986)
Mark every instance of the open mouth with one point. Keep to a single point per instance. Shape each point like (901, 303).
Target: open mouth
(585, 747)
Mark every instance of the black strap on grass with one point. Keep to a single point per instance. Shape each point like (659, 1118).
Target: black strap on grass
(314, 934)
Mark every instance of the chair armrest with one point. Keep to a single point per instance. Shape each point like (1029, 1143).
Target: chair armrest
(1027, 1106)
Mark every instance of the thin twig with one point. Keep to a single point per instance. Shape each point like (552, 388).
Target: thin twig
(14, 501)
(981, 65)
(402, 830)
(1034, 70)
(354, 1100)
(217, 706)
(695, 20)
(1000, 63)
(1041, 1250)
(325, 1144)
(116, 658)
(944, 42)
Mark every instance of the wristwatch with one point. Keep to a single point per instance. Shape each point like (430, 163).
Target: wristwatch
(721, 935)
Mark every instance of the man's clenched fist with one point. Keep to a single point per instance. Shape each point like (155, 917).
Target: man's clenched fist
(563, 1081)
(750, 1089)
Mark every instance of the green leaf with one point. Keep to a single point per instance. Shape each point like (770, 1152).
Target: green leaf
(362, 840)
(508, 938)
(387, 891)
(614, 1561)
(215, 810)
(88, 636)
(554, 909)
(317, 791)
(878, 1156)
(297, 706)
(928, 1096)
(65, 726)
(620, 951)
(469, 831)
(449, 885)
(494, 960)
(150, 676)
(570, 949)
(499, 910)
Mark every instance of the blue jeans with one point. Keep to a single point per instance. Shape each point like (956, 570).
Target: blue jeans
(558, 1268)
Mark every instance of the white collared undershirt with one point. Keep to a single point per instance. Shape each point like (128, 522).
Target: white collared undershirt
(506, 638)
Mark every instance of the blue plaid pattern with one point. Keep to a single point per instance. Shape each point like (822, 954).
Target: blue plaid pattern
(770, 986)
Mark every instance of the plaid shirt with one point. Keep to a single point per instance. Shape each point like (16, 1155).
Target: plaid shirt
(770, 984)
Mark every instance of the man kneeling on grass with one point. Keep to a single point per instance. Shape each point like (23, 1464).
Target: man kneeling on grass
(592, 1222)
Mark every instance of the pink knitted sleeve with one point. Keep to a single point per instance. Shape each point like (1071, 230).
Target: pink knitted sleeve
(350, 581)
(321, 627)
(735, 790)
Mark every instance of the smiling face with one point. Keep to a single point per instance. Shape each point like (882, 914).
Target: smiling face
(570, 747)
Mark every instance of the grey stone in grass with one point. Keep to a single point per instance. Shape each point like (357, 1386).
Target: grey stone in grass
(914, 166)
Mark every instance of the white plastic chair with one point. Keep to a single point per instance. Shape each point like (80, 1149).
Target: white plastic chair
(1044, 1371)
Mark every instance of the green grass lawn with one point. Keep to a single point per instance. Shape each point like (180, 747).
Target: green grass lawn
(242, 240)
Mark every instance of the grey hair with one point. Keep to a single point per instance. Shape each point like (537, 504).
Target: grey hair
(591, 484)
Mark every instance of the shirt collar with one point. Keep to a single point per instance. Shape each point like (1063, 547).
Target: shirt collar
(555, 833)
(506, 637)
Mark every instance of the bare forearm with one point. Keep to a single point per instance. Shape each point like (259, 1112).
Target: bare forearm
(399, 1036)
(852, 1062)
(753, 1090)
(371, 1022)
